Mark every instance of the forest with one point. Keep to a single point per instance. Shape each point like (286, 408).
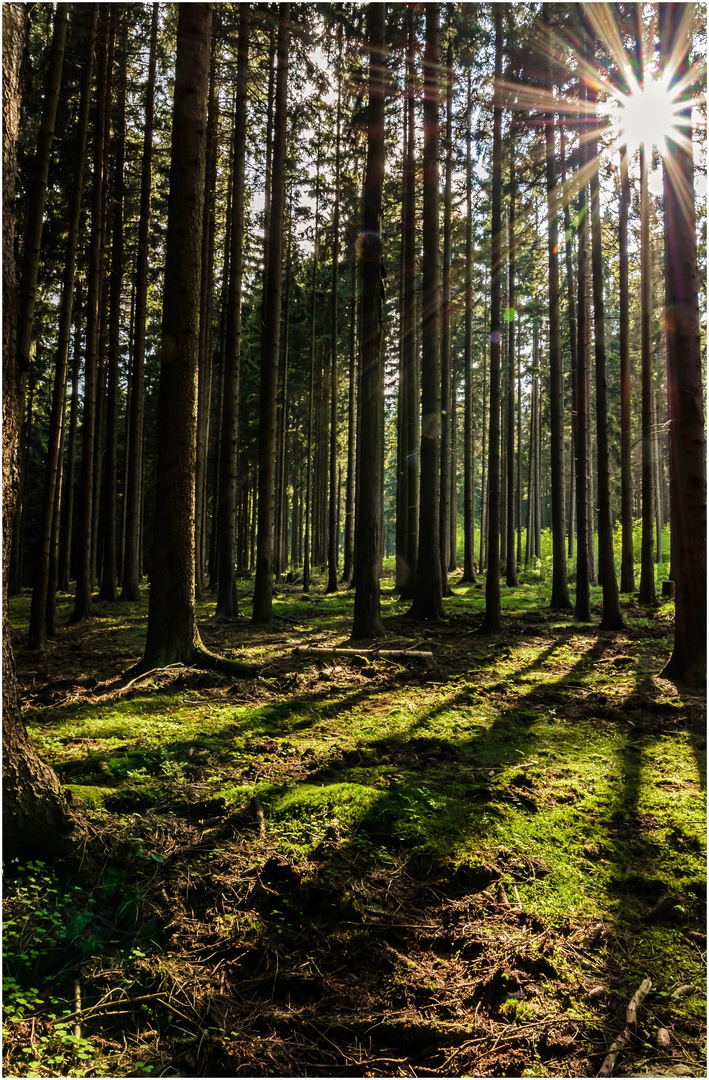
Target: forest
(354, 539)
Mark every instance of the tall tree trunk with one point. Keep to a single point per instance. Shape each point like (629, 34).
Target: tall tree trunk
(445, 495)
(468, 432)
(40, 592)
(428, 593)
(65, 565)
(311, 393)
(511, 566)
(627, 570)
(612, 618)
(559, 587)
(688, 490)
(109, 506)
(172, 625)
(348, 558)
(38, 192)
(582, 608)
(646, 592)
(131, 557)
(37, 820)
(83, 606)
(263, 584)
(453, 516)
(409, 365)
(332, 523)
(367, 622)
(227, 603)
(491, 621)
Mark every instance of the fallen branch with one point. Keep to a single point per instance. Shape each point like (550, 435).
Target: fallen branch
(363, 654)
(631, 1020)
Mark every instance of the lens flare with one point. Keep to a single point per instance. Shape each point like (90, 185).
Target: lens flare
(647, 116)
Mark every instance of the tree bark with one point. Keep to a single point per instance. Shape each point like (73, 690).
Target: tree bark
(332, 544)
(612, 618)
(445, 494)
(428, 595)
(627, 570)
(37, 819)
(468, 433)
(227, 603)
(38, 630)
(491, 621)
(559, 587)
(109, 502)
(263, 585)
(172, 635)
(688, 491)
(134, 485)
(409, 365)
(510, 564)
(646, 592)
(83, 605)
(367, 622)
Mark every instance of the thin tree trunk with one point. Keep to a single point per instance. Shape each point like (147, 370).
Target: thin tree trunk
(491, 621)
(367, 621)
(332, 523)
(311, 393)
(582, 608)
(627, 570)
(83, 606)
(108, 591)
(131, 558)
(348, 567)
(612, 618)
(227, 602)
(263, 585)
(511, 566)
(38, 630)
(646, 591)
(559, 587)
(410, 372)
(445, 495)
(428, 593)
(468, 432)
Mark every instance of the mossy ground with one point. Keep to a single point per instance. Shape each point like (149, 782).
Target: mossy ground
(460, 868)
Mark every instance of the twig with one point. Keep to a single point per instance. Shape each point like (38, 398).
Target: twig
(631, 1020)
(153, 671)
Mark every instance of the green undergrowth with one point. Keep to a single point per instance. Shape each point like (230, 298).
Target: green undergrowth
(549, 753)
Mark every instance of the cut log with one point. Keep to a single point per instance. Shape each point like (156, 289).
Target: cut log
(363, 655)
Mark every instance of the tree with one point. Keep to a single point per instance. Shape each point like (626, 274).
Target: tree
(410, 403)
(83, 606)
(559, 587)
(468, 458)
(582, 607)
(172, 635)
(646, 592)
(226, 595)
(491, 621)
(367, 622)
(428, 593)
(109, 499)
(263, 585)
(627, 571)
(612, 618)
(37, 818)
(134, 450)
(42, 597)
(688, 491)
(333, 501)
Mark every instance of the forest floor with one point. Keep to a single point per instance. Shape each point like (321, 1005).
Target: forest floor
(461, 867)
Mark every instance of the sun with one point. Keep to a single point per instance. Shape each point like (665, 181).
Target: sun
(648, 115)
